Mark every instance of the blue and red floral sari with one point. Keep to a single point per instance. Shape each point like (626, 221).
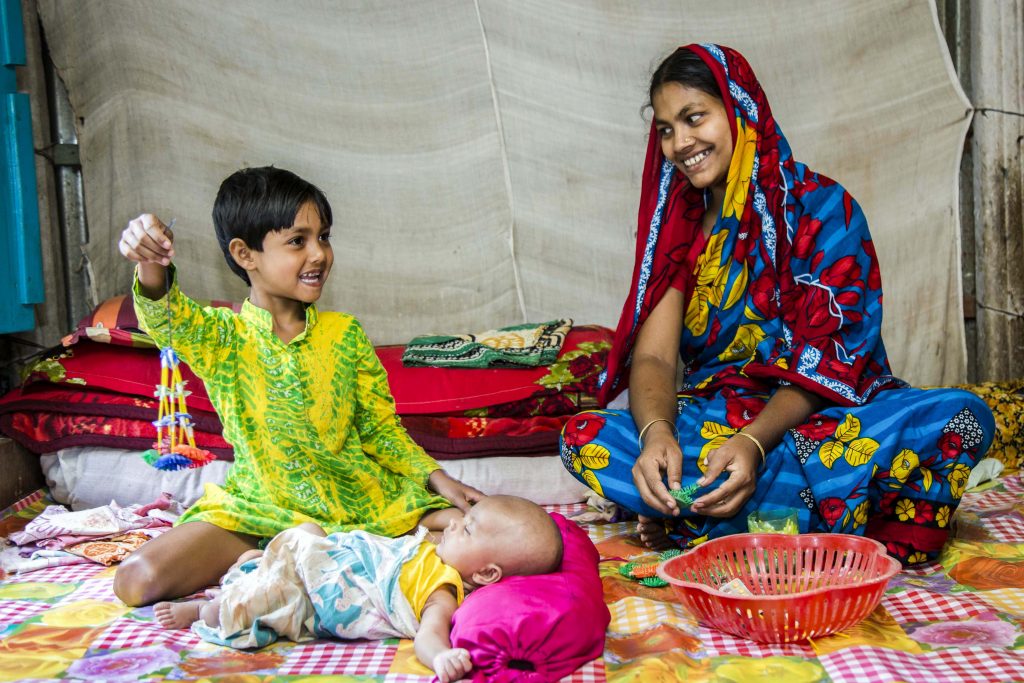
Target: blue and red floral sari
(785, 290)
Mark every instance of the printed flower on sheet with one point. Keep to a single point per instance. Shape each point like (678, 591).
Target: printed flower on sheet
(988, 573)
(83, 613)
(232, 661)
(31, 590)
(131, 663)
(669, 667)
(770, 669)
(979, 632)
(15, 668)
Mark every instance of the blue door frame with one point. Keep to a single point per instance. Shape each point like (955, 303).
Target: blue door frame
(21, 270)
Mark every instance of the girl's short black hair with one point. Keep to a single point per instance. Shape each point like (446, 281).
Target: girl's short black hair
(255, 201)
(685, 67)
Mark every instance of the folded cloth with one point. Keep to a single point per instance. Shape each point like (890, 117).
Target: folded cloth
(56, 527)
(14, 560)
(529, 345)
(114, 549)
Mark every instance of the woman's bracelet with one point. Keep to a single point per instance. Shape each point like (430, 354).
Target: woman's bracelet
(756, 443)
(640, 439)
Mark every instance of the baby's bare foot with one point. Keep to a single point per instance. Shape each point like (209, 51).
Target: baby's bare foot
(652, 533)
(178, 615)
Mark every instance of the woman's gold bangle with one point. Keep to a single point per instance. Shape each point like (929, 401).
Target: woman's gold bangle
(756, 443)
(640, 439)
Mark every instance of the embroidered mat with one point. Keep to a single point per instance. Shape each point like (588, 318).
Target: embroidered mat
(961, 619)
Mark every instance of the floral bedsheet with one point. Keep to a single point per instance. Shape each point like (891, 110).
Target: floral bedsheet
(960, 619)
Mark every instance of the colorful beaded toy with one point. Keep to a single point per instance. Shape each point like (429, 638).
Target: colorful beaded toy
(176, 449)
(647, 572)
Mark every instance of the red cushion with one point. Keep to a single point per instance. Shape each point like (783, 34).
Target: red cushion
(126, 370)
(570, 382)
(47, 417)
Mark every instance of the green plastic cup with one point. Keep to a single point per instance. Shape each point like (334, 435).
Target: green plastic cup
(778, 521)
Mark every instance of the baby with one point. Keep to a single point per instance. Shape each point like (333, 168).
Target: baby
(355, 584)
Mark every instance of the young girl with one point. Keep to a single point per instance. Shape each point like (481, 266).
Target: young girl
(301, 394)
(759, 275)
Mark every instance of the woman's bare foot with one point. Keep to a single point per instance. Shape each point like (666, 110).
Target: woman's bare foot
(178, 615)
(652, 533)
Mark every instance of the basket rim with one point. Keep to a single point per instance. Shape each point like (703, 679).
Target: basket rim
(708, 547)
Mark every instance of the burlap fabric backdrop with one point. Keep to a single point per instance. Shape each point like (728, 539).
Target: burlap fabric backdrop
(483, 157)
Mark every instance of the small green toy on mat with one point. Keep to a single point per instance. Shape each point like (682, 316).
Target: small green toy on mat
(685, 495)
(647, 572)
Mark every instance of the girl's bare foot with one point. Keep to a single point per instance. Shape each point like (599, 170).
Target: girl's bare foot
(178, 615)
(652, 533)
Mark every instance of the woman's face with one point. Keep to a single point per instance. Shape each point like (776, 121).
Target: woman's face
(695, 134)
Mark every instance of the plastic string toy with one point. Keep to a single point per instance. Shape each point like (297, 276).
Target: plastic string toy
(647, 572)
(685, 494)
(175, 447)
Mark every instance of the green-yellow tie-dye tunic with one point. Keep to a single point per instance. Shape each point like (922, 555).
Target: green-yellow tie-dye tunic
(312, 421)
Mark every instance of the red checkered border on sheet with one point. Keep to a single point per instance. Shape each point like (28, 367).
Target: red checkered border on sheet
(988, 500)
(914, 605)
(718, 643)
(68, 573)
(17, 611)
(591, 672)
(958, 665)
(1014, 483)
(130, 633)
(23, 503)
(368, 658)
(1006, 527)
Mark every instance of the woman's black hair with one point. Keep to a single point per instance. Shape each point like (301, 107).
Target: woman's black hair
(685, 67)
(255, 201)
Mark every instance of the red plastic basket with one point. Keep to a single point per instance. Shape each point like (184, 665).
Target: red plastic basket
(804, 586)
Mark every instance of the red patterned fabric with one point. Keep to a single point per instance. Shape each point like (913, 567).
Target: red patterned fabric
(564, 388)
(45, 418)
(449, 438)
(126, 370)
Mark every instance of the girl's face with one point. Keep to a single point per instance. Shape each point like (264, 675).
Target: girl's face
(295, 261)
(695, 135)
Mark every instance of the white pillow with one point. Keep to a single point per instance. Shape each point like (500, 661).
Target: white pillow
(90, 476)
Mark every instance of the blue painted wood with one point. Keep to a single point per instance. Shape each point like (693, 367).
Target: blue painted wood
(21, 269)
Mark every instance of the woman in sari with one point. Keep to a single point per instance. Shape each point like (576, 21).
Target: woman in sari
(759, 277)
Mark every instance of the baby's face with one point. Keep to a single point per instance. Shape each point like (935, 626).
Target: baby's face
(473, 541)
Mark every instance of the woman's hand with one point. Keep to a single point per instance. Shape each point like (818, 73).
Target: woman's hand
(660, 459)
(740, 458)
(457, 493)
(147, 240)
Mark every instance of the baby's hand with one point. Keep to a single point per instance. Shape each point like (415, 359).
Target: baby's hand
(452, 664)
(147, 240)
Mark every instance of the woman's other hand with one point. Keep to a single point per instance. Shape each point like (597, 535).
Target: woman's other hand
(659, 461)
(740, 458)
(458, 494)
